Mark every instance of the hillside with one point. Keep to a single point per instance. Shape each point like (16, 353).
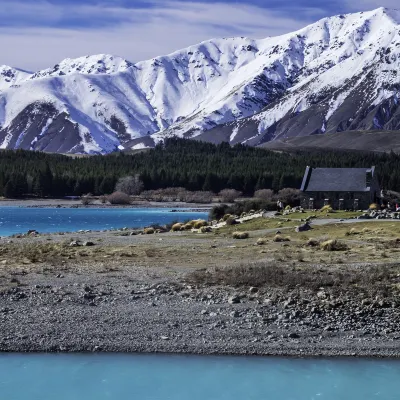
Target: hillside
(377, 141)
(338, 74)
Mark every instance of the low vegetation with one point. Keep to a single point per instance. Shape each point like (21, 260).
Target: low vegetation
(374, 280)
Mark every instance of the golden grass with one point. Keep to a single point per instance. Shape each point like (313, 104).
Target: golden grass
(240, 235)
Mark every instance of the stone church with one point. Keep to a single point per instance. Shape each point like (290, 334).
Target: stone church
(341, 188)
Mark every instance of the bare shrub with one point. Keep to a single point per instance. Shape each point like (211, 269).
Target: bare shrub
(229, 195)
(87, 199)
(119, 198)
(264, 194)
(131, 185)
(198, 197)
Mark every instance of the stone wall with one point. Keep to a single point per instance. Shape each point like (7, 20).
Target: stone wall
(337, 200)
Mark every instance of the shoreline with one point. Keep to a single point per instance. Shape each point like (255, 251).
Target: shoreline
(153, 294)
(63, 203)
(139, 310)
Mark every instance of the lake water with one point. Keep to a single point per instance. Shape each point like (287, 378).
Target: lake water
(20, 220)
(169, 377)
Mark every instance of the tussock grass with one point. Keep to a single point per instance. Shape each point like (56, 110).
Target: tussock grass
(176, 227)
(240, 235)
(333, 245)
(200, 223)
(279, 238)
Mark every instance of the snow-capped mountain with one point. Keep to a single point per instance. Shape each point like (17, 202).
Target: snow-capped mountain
(341, 73)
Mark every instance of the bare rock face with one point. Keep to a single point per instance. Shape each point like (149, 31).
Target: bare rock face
(338, 74)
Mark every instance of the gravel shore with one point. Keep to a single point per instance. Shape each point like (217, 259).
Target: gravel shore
(138, 309)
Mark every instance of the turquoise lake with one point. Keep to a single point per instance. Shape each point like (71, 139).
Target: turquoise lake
(170, 377)
(45, 220)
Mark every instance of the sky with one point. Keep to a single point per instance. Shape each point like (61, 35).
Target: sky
(37, 34)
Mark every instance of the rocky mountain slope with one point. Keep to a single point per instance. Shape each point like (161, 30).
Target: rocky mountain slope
(341, 73)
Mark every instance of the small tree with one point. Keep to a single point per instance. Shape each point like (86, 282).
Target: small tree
(229, 195)
(289, 196)
(131, 185)
(119, 198)
(264, 194)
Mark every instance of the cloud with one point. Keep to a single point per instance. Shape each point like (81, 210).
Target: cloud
(41, 34)
(366, 5)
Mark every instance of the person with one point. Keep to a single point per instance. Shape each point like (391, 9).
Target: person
(279, 205)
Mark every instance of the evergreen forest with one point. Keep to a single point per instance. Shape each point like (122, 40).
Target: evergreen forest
(184, 163)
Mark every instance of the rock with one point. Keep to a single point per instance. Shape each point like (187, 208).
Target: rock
(74, 243)
(303, 228)
(87, 244)
(164, 338)
(253, 289)
(234, 300)
(235, 314)
(293, 335)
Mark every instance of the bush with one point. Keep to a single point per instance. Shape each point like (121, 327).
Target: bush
(333, 245)
(200, 223)
(328, 209)
(217, 212)
(149, 231)
(373, 206)
(87, 200)
(264, 194)
(226, 217)
(119, 198)
(240, 207)
(176, 227)
(313, 242)
(229, 195)
(103, 199)
(240, 235)
(231, 221)
(290, 196)
(205, 229)
(261, 241)
(187, 227)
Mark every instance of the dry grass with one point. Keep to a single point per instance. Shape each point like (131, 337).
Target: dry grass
(279, 238)
(333, 245)
(371, 280)
(240, 235)
(176, 227)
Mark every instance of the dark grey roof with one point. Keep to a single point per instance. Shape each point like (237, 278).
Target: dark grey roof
(336, 179)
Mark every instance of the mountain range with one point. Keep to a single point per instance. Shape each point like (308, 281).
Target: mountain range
(339, 74)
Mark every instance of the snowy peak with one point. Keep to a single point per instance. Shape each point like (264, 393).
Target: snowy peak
(11, 76)
(91, 65)
(340, 73)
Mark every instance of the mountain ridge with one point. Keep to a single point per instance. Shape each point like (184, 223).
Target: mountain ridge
(337, 74)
